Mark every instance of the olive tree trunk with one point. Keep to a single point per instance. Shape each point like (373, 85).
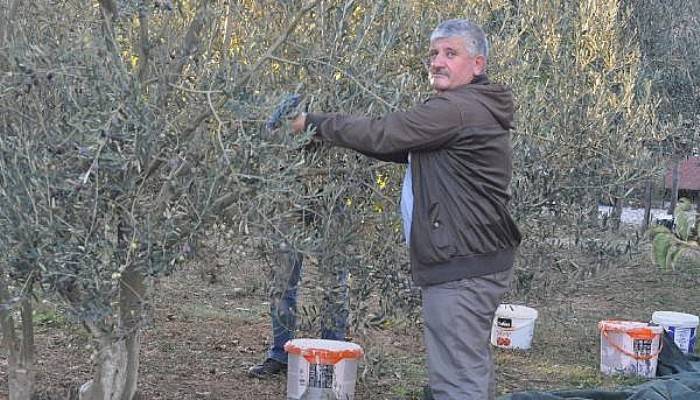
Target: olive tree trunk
(20, 350)
(116, 372)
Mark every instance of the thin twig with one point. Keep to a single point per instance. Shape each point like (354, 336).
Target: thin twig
(189, 131)
(218, 130)
(280, 40)
(357, 82)
(184, 89)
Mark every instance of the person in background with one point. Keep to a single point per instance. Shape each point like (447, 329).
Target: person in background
(286, 277)
(462, 239)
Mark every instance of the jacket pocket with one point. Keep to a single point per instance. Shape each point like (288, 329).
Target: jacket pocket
(439, 235)
(438, 244)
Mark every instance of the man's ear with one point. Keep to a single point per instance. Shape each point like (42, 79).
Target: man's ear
(479, 65)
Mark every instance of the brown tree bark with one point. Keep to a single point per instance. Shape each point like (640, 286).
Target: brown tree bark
(116, 372)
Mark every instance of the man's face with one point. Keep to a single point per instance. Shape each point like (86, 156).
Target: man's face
(450, 65)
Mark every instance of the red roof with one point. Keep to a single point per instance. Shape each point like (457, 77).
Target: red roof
(688, 175)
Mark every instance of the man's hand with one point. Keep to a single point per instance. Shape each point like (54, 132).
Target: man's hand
(299, 123)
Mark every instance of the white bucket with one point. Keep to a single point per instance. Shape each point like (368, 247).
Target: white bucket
(629, 348)
(513, 326)
(320, 369)
(682, 328)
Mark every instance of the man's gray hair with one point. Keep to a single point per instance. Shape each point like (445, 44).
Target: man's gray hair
(474, 37)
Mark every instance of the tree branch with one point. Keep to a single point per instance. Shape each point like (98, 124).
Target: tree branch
(189, 131)
(109, 7)
(280, 40)
(190, 46)
(228, 29)
(144, 47)
(7, 31)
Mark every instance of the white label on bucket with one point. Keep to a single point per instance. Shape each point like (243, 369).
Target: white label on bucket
(642, 347)
(503, 338)
(321, 376)
(504, 322)
(682, 337)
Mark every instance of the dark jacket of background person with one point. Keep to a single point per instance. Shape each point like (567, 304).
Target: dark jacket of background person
(461, 153)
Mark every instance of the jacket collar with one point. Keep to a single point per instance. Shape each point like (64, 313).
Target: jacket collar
(480, 80)
(477, 80)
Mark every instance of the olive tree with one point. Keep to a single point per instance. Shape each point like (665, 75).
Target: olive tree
(114, 159)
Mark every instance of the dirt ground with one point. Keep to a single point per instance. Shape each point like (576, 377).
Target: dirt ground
(207, 332)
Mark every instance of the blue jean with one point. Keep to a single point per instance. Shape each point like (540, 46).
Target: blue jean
(283, 305)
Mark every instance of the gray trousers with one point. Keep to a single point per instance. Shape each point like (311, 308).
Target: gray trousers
(457, 320)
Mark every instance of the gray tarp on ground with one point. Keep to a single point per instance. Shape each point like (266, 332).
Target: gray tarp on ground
(677, 378)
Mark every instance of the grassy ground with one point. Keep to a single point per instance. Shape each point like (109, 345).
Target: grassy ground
(207, 332)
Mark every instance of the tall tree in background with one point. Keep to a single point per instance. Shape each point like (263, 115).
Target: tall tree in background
(668, 33)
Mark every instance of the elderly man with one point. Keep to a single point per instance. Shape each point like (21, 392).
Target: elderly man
(462, 239)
